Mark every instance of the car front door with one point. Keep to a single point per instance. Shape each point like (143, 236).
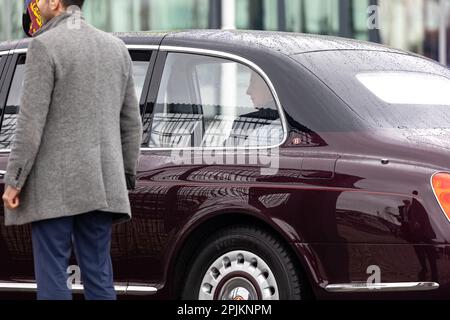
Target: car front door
(16, 260)
(15, 248)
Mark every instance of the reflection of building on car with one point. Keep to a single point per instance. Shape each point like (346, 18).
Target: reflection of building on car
(186, 130)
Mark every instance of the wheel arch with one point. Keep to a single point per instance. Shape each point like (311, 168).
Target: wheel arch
(182, 256)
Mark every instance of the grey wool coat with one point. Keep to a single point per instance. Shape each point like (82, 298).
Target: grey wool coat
(79, 127)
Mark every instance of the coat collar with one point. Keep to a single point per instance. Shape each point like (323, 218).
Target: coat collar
(59, 19)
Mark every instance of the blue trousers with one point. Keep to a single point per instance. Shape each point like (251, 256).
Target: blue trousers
(90, 235)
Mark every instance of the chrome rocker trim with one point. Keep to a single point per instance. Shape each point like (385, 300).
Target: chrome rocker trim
(120, 289)
(382, 287)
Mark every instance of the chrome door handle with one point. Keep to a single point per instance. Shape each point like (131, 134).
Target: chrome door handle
(2, 173)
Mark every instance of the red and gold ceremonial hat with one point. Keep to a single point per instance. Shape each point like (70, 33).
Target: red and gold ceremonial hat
(31, 19)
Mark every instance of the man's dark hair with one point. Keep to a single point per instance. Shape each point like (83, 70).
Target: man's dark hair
(67, 3)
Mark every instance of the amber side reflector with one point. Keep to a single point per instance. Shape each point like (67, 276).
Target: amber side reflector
(441, 187)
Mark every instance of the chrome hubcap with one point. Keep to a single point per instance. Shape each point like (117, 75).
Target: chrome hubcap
(239, 275)
(238, 289)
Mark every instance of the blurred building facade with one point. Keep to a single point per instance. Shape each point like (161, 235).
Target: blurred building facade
(421, 26)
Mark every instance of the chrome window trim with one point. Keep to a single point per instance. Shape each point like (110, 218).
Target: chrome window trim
(435, 195)
(382, 287)
(130, 47)
(23, 50)
(3, 53)
(251, 65)
(121, 289)
(142, 47)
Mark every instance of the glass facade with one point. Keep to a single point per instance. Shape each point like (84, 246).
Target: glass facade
(310, 16)
(135, 15)
(407, 24)
(414, 25)
(11, 19)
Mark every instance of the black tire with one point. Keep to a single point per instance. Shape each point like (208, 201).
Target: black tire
(253, 240)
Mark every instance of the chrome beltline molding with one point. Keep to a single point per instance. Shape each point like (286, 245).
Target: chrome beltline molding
(382, 287)
(120, 289)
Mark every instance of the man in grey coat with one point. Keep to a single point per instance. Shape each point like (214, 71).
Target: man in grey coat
(75, 151)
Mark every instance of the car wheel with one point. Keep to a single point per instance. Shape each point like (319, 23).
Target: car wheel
(242, 263)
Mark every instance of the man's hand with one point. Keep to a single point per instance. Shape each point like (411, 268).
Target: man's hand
(11, 197)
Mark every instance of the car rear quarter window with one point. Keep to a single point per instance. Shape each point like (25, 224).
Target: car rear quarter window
(212, 102)
(2, 58)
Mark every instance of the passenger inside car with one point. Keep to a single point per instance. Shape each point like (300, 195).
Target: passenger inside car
(262, 99)
(267, 130)
(248, 129)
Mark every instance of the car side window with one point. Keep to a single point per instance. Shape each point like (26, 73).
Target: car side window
(209, 102)
(1, 63)
(141, 61)
(12, 105)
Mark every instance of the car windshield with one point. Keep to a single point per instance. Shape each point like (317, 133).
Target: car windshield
(388, 90)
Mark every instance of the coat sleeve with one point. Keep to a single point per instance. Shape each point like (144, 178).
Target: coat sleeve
(131, 128)
(35, 102)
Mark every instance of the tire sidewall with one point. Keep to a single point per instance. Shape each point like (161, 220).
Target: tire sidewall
(247, 240)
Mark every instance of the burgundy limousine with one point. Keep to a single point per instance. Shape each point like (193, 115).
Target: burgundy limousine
(274, 166)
